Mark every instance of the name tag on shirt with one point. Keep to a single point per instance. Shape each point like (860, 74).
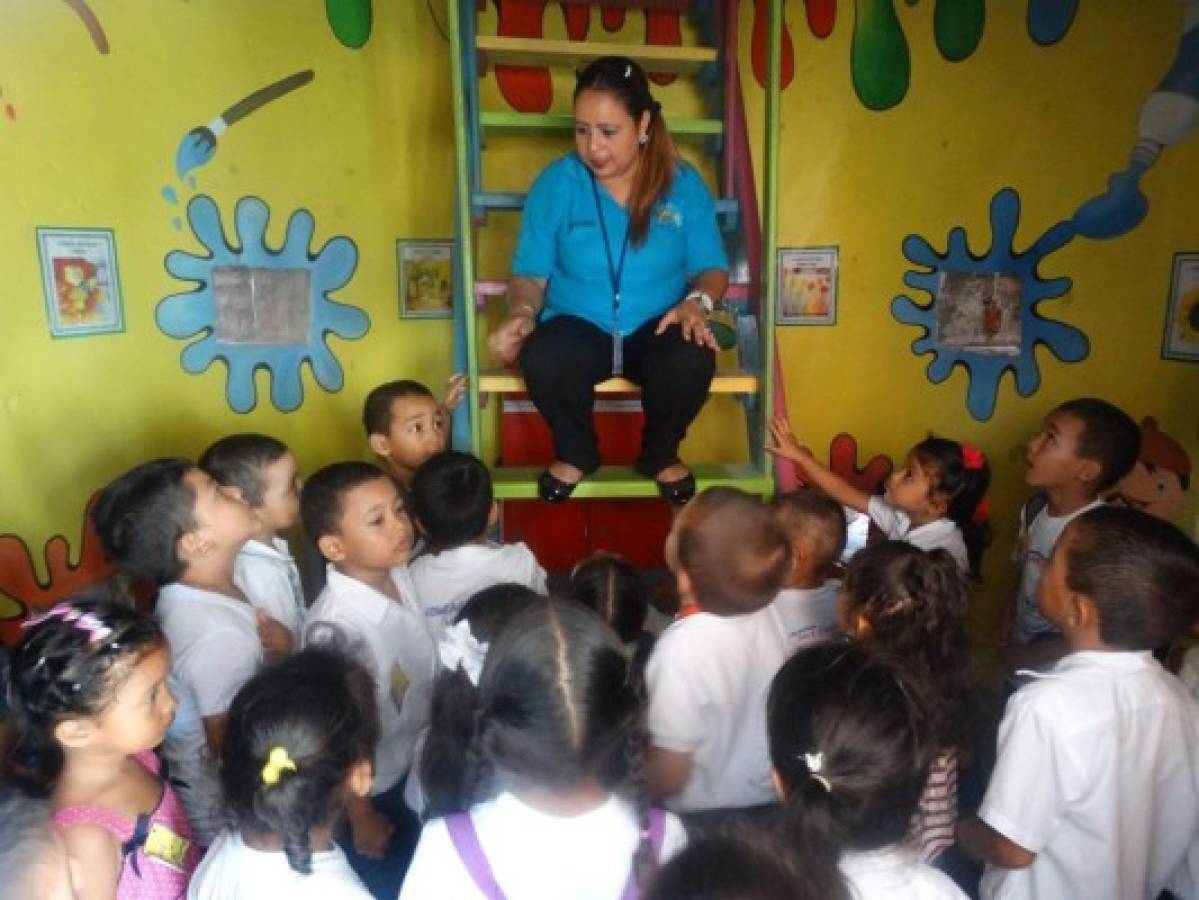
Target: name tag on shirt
(166, 847)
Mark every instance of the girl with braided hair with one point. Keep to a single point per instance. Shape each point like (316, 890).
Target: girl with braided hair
(553, 776)
(88, 685)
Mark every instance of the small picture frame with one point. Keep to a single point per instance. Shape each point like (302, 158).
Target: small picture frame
(807, 286)
(426, 269)
(1180, 336)
(80, 281)
(979, 312)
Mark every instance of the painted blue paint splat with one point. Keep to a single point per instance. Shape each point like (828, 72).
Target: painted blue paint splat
(193, 313)
(169, 195)
(985, 370)
(1049, 20)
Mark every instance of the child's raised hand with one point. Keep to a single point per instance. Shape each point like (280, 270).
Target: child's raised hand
(784, 442)
(371, 831)
(276, 640)
(455, 390)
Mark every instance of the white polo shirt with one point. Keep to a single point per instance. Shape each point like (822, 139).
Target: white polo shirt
(942, 534)
(391, 640)
(807, 615)
(214, 651)
(708, 678)
(1098, 775)
(267, 575)
(445, 581)
(896, 873)
(232, 871)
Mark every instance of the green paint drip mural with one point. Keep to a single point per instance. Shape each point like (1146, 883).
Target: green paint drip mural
(879, 58)
(958, 26)
(350, 21)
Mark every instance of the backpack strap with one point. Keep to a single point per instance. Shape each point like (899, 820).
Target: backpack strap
(1032, 508)
(656, 826)
(466, 841)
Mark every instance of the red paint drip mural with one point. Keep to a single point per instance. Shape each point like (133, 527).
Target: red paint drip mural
(843, 459)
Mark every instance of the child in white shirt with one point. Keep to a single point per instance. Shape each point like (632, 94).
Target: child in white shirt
(709, 672)
(936, 501)
(554, 802)
(1096, 789)
(851, 749)
(299, 740)
(169, 522)
(452, 505)
(263, 472)
(806, 607)
(355, 513)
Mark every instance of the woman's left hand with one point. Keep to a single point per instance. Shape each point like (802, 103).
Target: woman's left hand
(690, 318)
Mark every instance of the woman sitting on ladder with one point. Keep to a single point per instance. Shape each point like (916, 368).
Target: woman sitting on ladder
(618, 265)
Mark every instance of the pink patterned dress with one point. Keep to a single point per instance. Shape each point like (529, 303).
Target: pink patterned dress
(158, 854)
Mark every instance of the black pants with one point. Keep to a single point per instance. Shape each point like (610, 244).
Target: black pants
(566, 357)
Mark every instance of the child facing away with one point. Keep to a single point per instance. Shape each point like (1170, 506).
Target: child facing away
(89, 685)
(452, 505)
(709, 672)
(851, 746)
(556, 805)
(169, 522)
(806, 607)
(406, 425)
(912, 605)
(1084, 448)
(1095, 792)
(606, 583)
(368, 608)
(936, 501)
(300, 738)
(265, 475)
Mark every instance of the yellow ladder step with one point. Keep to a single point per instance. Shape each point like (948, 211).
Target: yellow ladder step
(539, 52)
(504, 123)
(510, 381)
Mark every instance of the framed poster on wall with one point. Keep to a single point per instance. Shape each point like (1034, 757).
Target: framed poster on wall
(807, 286)
(80, 281)
(1180, 337)
(426, 279)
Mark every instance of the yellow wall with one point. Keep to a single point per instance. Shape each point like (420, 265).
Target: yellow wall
(367, 147)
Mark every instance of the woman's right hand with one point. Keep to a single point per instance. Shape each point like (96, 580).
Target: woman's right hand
(505, 342)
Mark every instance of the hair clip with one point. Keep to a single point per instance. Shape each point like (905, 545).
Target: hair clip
(628, 71)
(84, 621)
(982, 512)
(815, 763)
(973, 457)
(276, 762)
(460, 649)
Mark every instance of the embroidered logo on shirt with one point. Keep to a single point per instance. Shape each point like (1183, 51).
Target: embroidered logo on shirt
(166, 847)
(399, 685)
(668, 215)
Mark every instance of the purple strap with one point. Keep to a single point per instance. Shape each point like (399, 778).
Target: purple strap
(466, 841)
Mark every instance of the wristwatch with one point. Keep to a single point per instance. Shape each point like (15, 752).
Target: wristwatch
(705, 301)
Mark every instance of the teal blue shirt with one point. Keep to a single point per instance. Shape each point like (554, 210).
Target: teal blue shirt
(560, 241)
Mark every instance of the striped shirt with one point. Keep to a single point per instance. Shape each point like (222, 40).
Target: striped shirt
(937, 812)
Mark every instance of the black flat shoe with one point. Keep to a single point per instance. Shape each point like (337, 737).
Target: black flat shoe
(552, 489)
(677, 492)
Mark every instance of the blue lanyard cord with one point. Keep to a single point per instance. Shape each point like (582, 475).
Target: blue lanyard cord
(615, 272)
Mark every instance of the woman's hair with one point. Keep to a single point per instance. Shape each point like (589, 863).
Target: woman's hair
(849, 741)
(69, 663)
(1140, 572)
(626, 81)
(745, 863)
(961, 474)
(607, 584)
(293, 733)
(914, 603)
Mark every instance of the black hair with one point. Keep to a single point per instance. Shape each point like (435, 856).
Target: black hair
(321, 498)
(625, 80)
(807, 511)
(733, 549)
(451, 499)
(318, 707)
(70, 661)
(607, 584)
(745, 863)
(849, 742)
(1109, 437)
(961, 474)
(376, 411)
(239, 460)
(1141, 572)
(915, 605)
(141, 516)
(443, 760)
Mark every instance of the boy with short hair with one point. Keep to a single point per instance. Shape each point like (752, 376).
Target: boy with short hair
(453, 507)
(356, 515)
(1085, 447)
(1096, 789)
(406, 425)
(168, 521)
(265, 475)
(710, 671)
(806, 607)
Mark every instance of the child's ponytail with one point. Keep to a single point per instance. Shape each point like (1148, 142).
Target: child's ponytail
(962, 475)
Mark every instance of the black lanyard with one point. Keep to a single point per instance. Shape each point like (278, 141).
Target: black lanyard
(615, 272)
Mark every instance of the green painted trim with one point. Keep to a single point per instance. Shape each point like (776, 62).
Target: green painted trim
(500, 123)
(623, 481)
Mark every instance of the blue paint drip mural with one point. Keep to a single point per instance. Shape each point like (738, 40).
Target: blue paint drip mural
(186, 315)
(1066, 342)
